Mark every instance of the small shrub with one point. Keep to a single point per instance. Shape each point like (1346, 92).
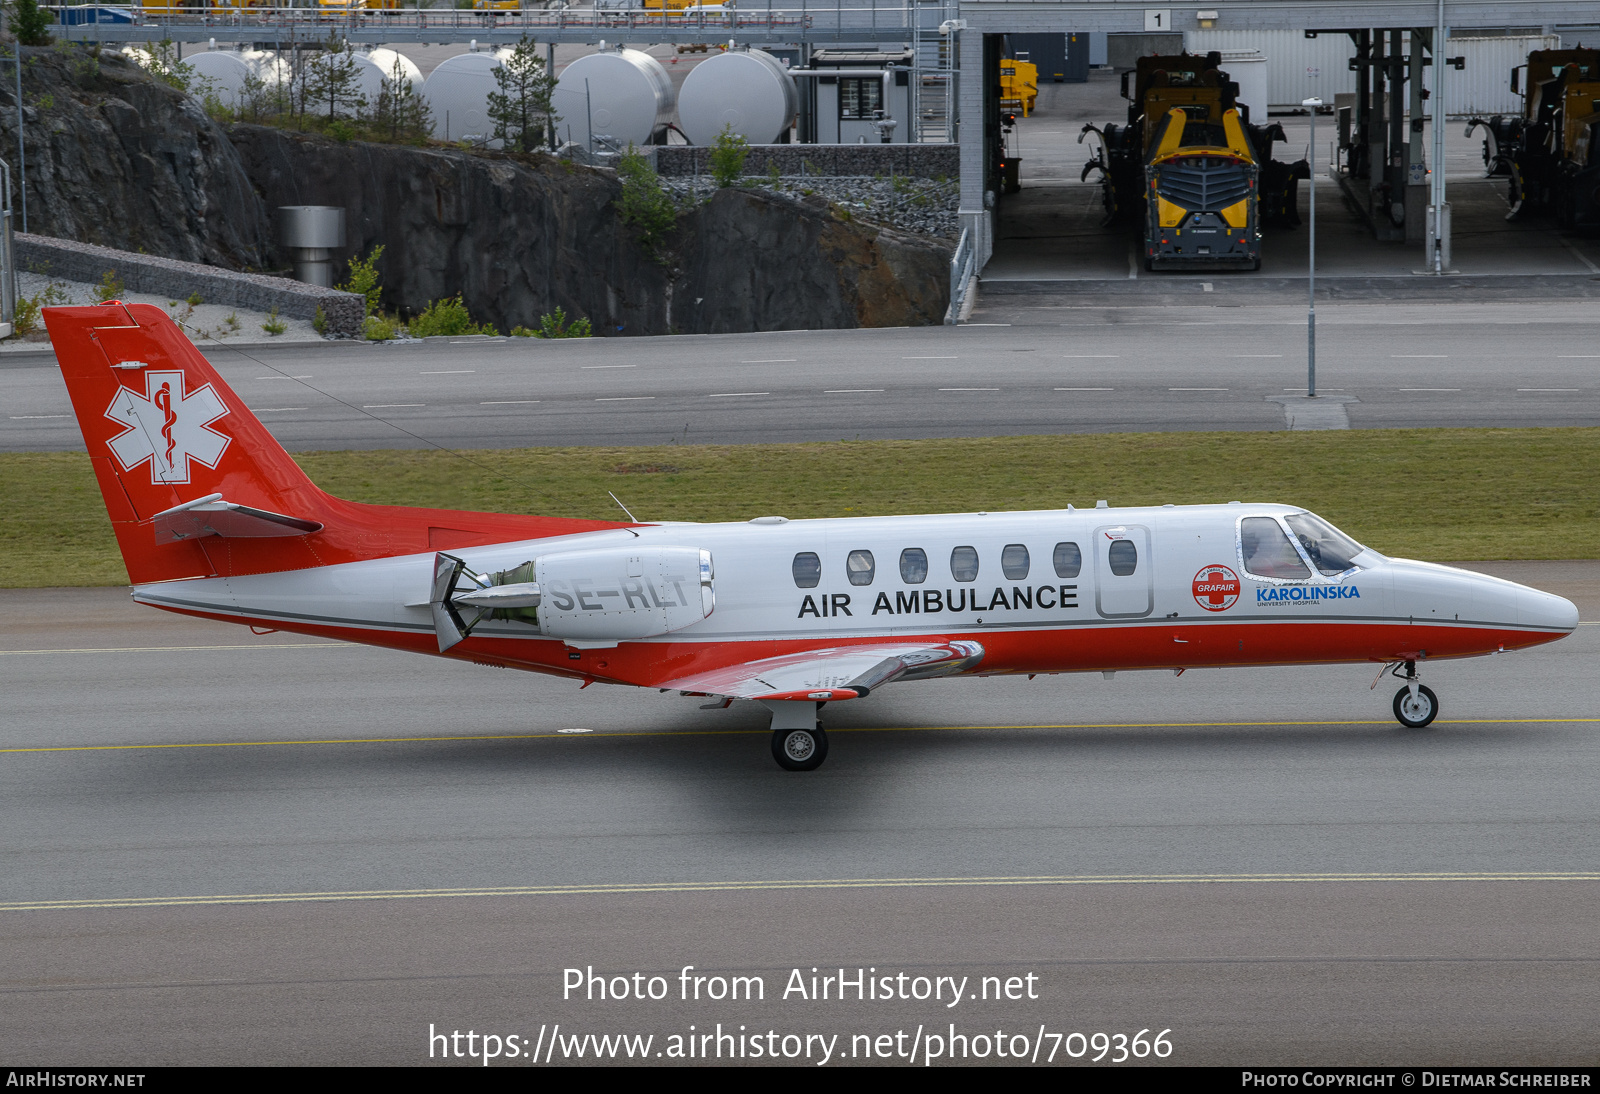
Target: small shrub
(319, 322)
(341, 131)
(232, 322)
(193, 300)
(520, 331)
(380, 328)
(45, 102)
(110, 287)
(274, 325)
(728, 153)
(363, 278)
(555, 325)
(25, 318)
(844, 213)
(447, 316)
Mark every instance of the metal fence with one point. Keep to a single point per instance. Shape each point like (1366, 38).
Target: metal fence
(859, 21)
(962, 267)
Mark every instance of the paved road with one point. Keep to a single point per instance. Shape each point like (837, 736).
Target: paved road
(1061, 366)
(683, 815)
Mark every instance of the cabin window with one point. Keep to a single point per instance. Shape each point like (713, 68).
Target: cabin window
(859, 567)
(1068, 559)
(1123, 556)
(1014, 562)
(807, 570)
(1267, 551)
(913, 565)
(1332, 552)
(964, 564)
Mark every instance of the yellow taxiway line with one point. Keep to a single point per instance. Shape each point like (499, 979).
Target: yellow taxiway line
(591, 734)
(774, 885)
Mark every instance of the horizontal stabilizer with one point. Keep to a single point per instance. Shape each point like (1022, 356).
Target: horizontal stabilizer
(213, 515)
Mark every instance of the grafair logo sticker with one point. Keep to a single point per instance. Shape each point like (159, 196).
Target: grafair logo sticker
(1216, 588)
(167, 427)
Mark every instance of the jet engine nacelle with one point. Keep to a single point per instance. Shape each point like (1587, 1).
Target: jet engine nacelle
(617, 594)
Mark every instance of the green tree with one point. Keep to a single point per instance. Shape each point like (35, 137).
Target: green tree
(644, 203)
(727, 157)
(400, 114)
(331, 80)
(30, 23)
(520, 109)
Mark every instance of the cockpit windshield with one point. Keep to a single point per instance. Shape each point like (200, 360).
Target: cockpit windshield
(1331, 551)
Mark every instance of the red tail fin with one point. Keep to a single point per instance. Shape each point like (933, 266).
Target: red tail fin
(163, 429)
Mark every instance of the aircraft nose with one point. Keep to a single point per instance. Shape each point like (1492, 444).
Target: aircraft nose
(1537, 609)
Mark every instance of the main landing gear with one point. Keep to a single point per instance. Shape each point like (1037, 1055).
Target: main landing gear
(798, 742)
(1414, 705)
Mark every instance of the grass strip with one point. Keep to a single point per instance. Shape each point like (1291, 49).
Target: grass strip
(1457, 494)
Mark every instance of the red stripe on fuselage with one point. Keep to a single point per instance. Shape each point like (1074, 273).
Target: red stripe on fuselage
(1086, 648)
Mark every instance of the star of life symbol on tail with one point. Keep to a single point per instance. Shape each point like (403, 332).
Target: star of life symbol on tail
(167, 427)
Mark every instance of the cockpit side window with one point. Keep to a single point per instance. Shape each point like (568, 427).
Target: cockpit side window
(1268, 552)
(1331, 551)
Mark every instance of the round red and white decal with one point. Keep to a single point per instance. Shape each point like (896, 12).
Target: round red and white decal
(1216, 588)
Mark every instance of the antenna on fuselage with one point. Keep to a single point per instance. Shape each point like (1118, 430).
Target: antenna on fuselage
(624, 508)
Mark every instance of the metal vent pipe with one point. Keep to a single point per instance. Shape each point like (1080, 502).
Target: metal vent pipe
(311, 233)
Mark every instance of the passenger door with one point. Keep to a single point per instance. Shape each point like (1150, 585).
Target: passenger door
(1124, 573)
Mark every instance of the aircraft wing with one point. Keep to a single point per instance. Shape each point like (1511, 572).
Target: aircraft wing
(844, 672)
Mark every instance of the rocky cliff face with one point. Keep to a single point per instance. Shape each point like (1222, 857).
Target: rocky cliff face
(119, 159)
(521, 235)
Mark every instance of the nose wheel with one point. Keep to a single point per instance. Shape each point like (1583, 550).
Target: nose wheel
(1414, 705)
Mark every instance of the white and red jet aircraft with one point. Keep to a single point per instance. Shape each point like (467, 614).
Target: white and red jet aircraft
(215, 520)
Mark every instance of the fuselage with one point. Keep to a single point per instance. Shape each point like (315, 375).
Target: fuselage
(1051, 591)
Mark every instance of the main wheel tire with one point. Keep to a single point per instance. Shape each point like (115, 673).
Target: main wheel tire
(1418, 712)
(799, 749)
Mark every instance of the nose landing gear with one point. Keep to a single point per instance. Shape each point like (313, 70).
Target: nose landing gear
(1414, 705)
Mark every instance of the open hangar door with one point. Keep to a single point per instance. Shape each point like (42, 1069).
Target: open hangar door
(1372, 223)
(1058, 219)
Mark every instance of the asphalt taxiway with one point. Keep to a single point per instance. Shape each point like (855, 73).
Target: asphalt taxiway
(222, 847)
(1222, 360)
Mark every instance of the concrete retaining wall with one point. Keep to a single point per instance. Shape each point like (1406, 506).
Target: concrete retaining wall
(71, 261)
(929, 161)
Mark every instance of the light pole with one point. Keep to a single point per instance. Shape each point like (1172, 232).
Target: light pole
(1311, 259)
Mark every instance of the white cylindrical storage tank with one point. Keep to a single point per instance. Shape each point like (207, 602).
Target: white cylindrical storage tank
(378, 65)
(224, 70)
(458, 93)
(749, 90)
(1248, 69)
(270, 67)
(625, 94)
